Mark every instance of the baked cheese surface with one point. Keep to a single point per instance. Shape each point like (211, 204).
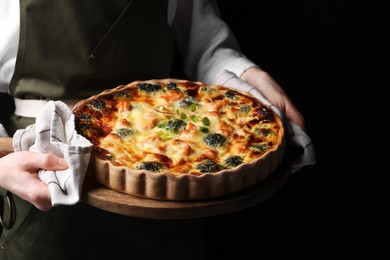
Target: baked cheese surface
(178, 126)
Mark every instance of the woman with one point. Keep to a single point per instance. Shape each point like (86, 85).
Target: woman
(60, 50)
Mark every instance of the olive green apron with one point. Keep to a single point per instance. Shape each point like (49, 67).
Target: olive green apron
(71, 50)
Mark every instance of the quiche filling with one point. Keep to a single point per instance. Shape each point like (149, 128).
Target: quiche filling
(179, 127)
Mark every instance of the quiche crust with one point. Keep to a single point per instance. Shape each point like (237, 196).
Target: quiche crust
(167, 186)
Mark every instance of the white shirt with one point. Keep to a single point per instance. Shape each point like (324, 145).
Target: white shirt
(206, 42)
(9, 40)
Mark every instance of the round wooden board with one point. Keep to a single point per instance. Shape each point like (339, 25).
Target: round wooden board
(101, 197)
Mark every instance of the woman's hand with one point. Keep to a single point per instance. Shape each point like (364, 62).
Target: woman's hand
(19, 175)
(274, 93)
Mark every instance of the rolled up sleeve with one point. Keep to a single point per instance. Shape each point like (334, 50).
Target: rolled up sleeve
(205, 42)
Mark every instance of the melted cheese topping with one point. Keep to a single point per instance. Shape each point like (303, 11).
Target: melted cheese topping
(177, 126)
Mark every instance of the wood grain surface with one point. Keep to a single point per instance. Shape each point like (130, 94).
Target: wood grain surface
(5, 146)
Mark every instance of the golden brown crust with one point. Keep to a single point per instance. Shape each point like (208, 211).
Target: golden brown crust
(164, 184)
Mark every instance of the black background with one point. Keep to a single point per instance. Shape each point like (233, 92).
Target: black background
(330, 57)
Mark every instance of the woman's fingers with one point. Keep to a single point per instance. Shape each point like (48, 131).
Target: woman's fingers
(19, 175)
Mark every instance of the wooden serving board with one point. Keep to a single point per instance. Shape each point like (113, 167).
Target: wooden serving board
(5, 146)
(106, 199)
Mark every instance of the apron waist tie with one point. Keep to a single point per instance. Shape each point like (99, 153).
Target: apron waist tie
(32, 107)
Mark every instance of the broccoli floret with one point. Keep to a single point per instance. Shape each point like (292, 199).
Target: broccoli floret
(209, 166)
(264, 131)
(175, 125)
(147, 87)
(98, 104)
(214, 139)
(245, 109)
(123, 132)
(207, 89)
(233, 160)
(187, 102)
(230, 94)
(85, 117)
(261, 147)
(172, 86)
(150, 166)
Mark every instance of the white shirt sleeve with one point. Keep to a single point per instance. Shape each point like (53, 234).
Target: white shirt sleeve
(9, 41)
(205, 42)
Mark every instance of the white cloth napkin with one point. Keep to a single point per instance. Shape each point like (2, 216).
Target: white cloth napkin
(299, 138)
(3, 132)
(54, 132)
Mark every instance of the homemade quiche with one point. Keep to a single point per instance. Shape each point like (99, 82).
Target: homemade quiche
(173, 139)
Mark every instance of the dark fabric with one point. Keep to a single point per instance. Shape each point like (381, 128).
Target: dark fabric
(84, 232)
(7, 109)
(74, 49)
(18, 122)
